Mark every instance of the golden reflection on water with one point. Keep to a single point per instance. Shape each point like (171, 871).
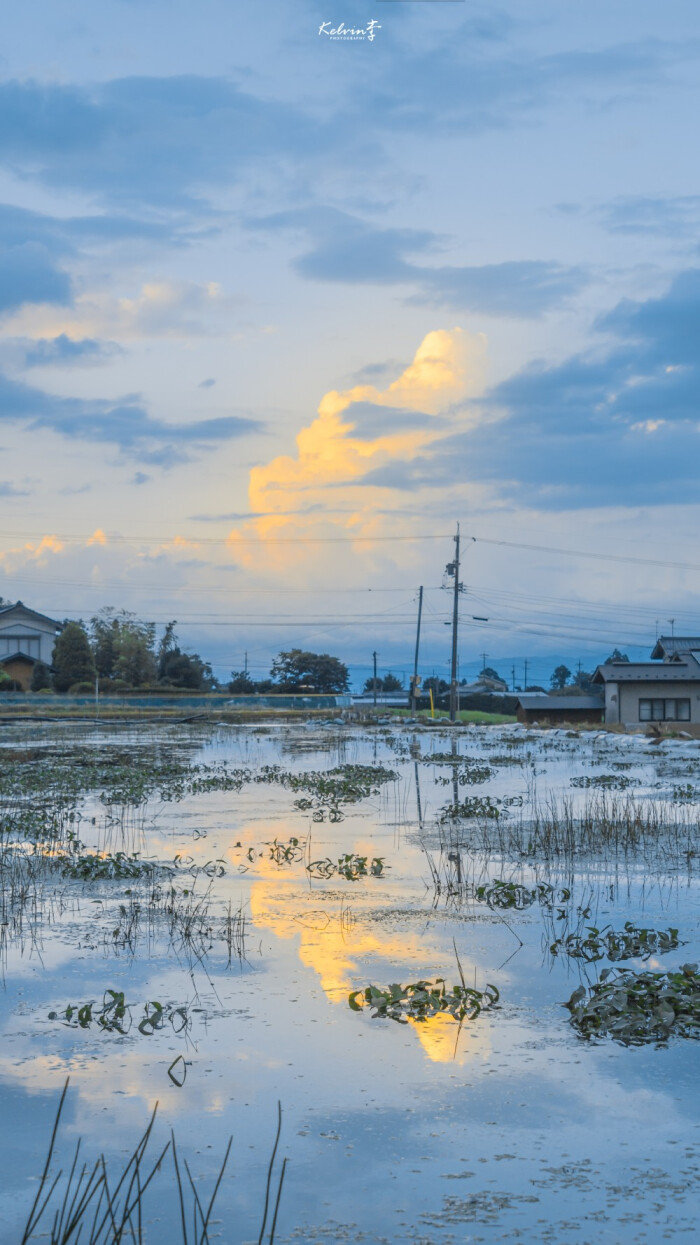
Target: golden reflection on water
(335, 946)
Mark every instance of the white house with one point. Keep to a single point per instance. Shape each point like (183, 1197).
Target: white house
(26, 637)
(666, 689)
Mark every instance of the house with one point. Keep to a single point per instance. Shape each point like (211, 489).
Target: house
(557, 710)
(484, 683)
(26, 637)
(665, 689)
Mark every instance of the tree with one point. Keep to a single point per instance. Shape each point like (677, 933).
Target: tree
(135, 663)
(41, 678)
(105, 641)
(179, 669)
(616, 655)
(72, 657)
(488, 672)
(296, 669)
(582, 680)
(240, 683)
(436, 685)
(389, 683)
(560, 677)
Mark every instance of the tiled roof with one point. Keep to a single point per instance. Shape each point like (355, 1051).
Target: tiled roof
(667, 645)
(649, 671)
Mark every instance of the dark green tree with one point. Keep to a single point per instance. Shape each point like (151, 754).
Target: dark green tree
(73, 661)
(240, 683)
(295, 669)
(560, 677)
(488, 672)
(389, 683)
(438, 685)
(616, 655)
(41, 678)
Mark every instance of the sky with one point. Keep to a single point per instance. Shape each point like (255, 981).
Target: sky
(280, 305)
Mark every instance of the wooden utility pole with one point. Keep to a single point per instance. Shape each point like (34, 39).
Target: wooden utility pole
(374, 679)
(453, 569)
(525, 678)
(414, 684)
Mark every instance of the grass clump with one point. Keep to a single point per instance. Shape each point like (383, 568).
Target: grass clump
(636, 1008)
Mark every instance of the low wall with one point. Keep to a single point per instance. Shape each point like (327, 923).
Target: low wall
(39, 701)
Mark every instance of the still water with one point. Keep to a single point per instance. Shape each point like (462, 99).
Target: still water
(508, 1126)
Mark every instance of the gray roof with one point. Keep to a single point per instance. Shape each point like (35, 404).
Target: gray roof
(18, 605)
(547, 703)
(18, 656)
(649, 671)
(668, 645)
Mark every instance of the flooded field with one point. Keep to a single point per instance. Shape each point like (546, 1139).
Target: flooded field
(378, 928)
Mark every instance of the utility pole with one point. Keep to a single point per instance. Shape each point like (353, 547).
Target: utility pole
(512, 675)
(483, 661)
(245, 664)
(525, 679)
(414, 684)
(374, 679)
(672, 622)
(453, 569)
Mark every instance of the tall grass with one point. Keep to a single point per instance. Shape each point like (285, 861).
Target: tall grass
(93, 1205)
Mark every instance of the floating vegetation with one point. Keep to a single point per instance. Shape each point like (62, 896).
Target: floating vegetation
(470, 776)
(685, 794)
(102, 1207)
(514, 895)
(626, 944)
(423, 999)
(286, 853)
(114, 1015)
(636, 1008)
(95, 867)
(474, 806)
(349, 866)
(614, 782)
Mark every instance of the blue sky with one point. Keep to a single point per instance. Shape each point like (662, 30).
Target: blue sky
(225, 240)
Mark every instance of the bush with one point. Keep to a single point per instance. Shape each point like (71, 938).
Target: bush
(81, 689)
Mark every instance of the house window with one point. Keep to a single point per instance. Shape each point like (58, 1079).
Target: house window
(664, 710)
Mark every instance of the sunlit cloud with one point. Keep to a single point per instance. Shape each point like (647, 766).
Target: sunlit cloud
(357, 431)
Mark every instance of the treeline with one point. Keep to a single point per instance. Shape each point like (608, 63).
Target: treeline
(121, 653)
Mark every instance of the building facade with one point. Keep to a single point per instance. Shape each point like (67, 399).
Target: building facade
(665, 689)
(26, 637)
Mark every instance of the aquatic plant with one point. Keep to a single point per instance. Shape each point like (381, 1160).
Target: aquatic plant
(626, 944)
(616, 782)
(514, 895)
(101, 1207)
(474, 806)
(114, 1015)
(349, 866)
(636, 1008)
(92, 867)
(422, 999)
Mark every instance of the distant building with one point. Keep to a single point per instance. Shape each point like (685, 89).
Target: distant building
(558, 710)
(483, 684)
(665, 689)
(26, 637)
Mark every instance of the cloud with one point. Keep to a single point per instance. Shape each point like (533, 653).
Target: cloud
(347, 249)
(28, 274)
(620, 427)
(148, 140)
(10, 490)
(655, 215)
(455, 82)
(356, 431)
(160, 309)
(64, 351)
(126, 423)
